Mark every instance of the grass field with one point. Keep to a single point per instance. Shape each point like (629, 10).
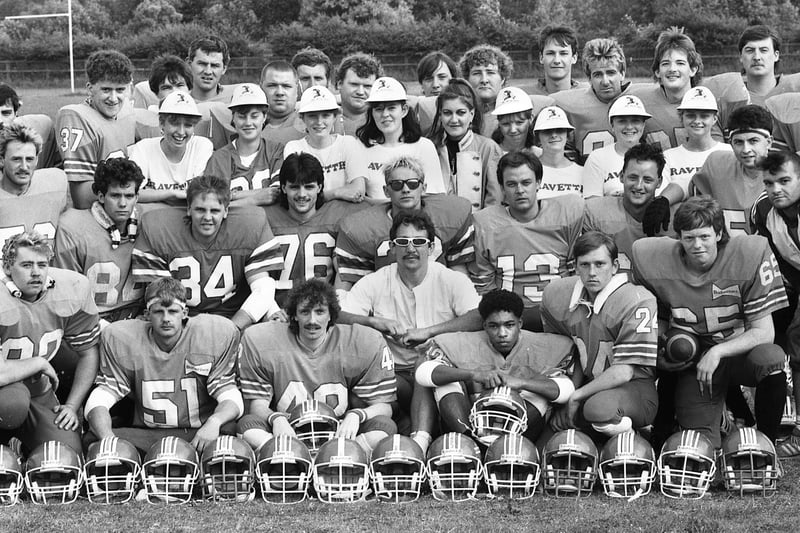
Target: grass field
(715, 513)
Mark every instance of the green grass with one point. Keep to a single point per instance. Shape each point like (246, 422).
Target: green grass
(715, 513)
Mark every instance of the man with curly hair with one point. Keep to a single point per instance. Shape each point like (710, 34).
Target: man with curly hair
(354, 78)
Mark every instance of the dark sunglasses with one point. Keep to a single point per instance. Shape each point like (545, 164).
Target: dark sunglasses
(397, 185)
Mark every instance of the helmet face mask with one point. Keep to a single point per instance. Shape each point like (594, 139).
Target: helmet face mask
(749, 463)
(496, 412)
(627, 466)
(11, 479)
(169, 471)
(284, 470)
(341, 472)
(53, 474)
(570, 464)
(397, 469)
(314, 423)
(512, 467)
(686, 465)
(112, 471)
(228, 467)
(455, 468)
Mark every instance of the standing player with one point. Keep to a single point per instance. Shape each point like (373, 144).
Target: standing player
(362, 245)
(39, 307)
(785, 111)
(524, 245)
(587, 109)
(354, 78)
(217, 254)
(615, 326)
(30, 200)
(313, 67)
(314, 358)
(279, 82)
(434, 72)
(180, 373)
(558, 51)
(168, 73)
(305, 226)
(10, 105)
(208, 57)
(735, 179)
(723, 290)
(98, 242)
(98, 128)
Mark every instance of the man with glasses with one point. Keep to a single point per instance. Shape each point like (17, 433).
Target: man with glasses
(362, 245)
(410, 301)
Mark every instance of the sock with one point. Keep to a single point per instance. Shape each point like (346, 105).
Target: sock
(770, 397)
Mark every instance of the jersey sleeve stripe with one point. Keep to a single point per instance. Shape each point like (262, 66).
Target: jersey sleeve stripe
(84, 340)
(255, 389)
(776, 299)
(113, 386)
(372, 389)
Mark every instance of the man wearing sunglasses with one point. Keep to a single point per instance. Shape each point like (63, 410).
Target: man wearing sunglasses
(362, 245)
(410, 301)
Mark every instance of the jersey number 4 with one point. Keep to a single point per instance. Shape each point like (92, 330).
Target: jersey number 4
(220, 283)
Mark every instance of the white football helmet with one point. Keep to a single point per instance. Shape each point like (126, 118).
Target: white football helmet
(228, 470)
(397, 469)
(341, 471)
(53, 473)
(512, 467)
(749, 463)
(627, 466)
(454, 466)
(112, 471)
(11, 479)
(170, 470)
(570, 464)
(284, 470)
(686, 466)
(498, 411)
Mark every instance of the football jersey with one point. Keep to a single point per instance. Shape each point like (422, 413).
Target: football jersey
(65, 311)
(723, 178)
(261, 173)
(275, 367)
(589, 116)
(37, 209)
(743, 284)
(665, 127)
(608, 214)
(82, 245)
(303, 250)
(362, 245)
(780, 228)
(216, 276)
(682, 164)
(86, 137)
(785, 111)
(175, 389)
(619, 328)
(290, 129)
(337, 160)
(523, 257)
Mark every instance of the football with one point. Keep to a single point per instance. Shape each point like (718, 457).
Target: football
(681, 350)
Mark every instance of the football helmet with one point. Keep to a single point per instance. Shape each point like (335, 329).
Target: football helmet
(749, 462)
(686, 465)
(53, 473)
(454, 466)
(170, 470)
(314, 423)
(627, 466)
(112, 471)
(341, 471)
(11, 481)
(397, 468)
(284, 470)
(228, 470)
(512, 467)
(570, 464)
(498, 411)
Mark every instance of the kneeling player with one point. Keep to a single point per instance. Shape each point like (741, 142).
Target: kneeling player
(179, 371)
(501, 354)
(313, 358)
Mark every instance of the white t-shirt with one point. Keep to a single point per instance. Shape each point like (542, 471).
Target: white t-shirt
(160, 173)
(602, 171)
(558, 181)
(338, 160)
(370, 160)
(682, 164)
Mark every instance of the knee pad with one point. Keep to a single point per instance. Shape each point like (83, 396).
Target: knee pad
(251, 422)
(766, 358)
(379, 423)
(15, 402)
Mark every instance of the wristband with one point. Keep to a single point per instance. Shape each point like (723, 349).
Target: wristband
(271, 418)
(361, 413)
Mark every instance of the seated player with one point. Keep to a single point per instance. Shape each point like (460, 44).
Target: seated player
(734, 179)
(217, 253)
(615, 325)
(98, 242)
(524, 245)
(362, 244)
(621, 216)
(99, 128)
(314, 358)
(535, 364)
(10, 104)
(30, 199)
(180, 373)
(39, 307)
(305, 225)
(410, 301)
(723, 290)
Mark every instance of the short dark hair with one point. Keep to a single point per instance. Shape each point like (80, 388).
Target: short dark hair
(562, 35)
(209, 184)
(517, 159)
(430, 64)
(417, 219)
(674, 39)
(759, 32)
(645, 152)
(209, 44)
(500, 300)
(315, 291)
(591, 241)
(363, 65)
(166, 290)
(169, 67)
(485, 54)
(278, 66)
(301, 168)
(458, 89)
(750, 116)
(775, 160)
(109, 65)
(9, 96)
(700, 212)
(116, 171)
(312, 57)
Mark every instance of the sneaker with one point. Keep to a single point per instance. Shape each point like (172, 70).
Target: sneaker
(790, 447)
